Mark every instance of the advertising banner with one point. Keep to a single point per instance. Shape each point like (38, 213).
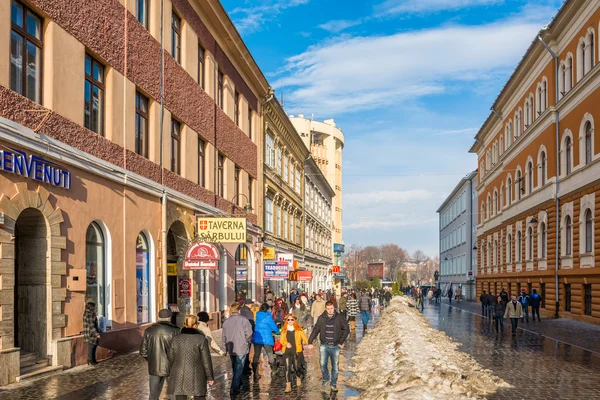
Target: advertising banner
(222, 230)
(375, 269)
(185, 287)
(142, 282)
(287, 258)
(340, 277)
(301, 276)
(241, 273)
(277, 271)
(269, 253)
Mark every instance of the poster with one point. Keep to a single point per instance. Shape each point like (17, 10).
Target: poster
(142, 286)
(276, 270)
(185, 287)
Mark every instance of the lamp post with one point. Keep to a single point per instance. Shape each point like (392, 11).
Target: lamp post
(247, 206)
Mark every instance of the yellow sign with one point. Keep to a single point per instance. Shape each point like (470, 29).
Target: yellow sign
(269, 253)
(171, 269)
(222, 230)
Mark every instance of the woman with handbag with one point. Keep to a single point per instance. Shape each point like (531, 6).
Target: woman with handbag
(263, 338)
(292, 339)
(352, 311)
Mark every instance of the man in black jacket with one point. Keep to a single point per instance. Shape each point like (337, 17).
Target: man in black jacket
(155, 346)
(333, 330)
(483, 300)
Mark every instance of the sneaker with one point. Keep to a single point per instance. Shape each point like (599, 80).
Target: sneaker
(334, 388)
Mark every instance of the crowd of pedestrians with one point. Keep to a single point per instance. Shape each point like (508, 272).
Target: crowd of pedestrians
(499, 308)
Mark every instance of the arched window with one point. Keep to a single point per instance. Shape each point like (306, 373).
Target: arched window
(589, 232)
(583, 58)
(496, 252)
(568, 235)
(563, 72)
(519, 185)
(543, 167)
(142, 279)
(529, 178)
(568, 154)
(570, 73)
(496, 202)
(489, 201)
(95, 263)
(544, 97)
(592, 49)
(482, 211)
(543, 239)
(527, 114)
(509, 249)
(509, 191)
(519, 246)
(540, 101)
(530, 247)
(588, 142)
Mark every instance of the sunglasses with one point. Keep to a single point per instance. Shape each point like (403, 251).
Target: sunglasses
(291, 319)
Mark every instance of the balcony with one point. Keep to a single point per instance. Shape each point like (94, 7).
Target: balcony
(319, 153)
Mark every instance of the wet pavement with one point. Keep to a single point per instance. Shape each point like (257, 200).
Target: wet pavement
(125, 377)
(536, 366)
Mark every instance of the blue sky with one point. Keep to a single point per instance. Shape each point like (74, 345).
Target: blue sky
(409, 82)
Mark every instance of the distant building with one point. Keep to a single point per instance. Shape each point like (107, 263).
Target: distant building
(458, 237)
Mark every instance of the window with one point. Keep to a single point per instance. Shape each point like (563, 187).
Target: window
(529, 178)
(520, 185)
(589, 231)
(509, 249)
(495, 202)
(519, 246)
(236, 178)
(583, 60)
(587, 291)
(141, 12)
(568, 154)
(176, 37)
(298, 180)
(201, 160)
(530, 247)
(279, 160)
(95, 263)
(568, 236)
(175, 146)
(285, 225)
(286, 162)
(250, 184)
(543, 294)
(279, 211)
(588, 142)
(568, 297)
(236, 108)
(509, 191)
(543, 239)
(220, 79)
(270, 151)
(564, 79)
(249, 122)
(570, 72)
(544, 97)
(142, 275)
(141, 124)
(269, 215)
(220, 176)
(25, 49)
(201, 66)
(543, 167)
(93, 111)
(592, 50)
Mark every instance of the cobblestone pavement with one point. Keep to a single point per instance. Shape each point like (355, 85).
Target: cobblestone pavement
(126, 378)
(536, 366)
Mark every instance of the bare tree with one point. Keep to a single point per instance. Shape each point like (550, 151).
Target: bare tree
(394, 256)
(371, 253)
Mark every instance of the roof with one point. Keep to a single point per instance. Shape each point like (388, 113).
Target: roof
(459, 186)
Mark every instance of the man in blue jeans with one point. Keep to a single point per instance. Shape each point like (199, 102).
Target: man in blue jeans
(364, 305)
(333, 330)
(237, 335)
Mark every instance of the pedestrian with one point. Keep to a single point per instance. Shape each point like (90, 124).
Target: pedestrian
(364, 305)
(499, 310)
(524, 300)
(421, 299)
(504, 296)
(279, 311)
(263, 338)
(514, 311)
(247, 312)
(450, 294)
(490, 305)
(343, 305)
(333, 331)
(293, 295)
(155, 347)
(237, 335)
(317, 308)
(333, 299)
(90, 331)
(270, 298)
(458, 294)
(292, 338)
(535, 301)
(483, 299)
(203, 319)
(301, 312)
(190, 363)
(352, 311)
(387, 297)
(430, 295)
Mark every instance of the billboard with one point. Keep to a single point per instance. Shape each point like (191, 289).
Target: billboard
(277, 271)
(222, 230)
(375, 269)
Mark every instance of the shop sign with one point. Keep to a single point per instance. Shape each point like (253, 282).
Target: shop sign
(20, 163)
(171, 269)
(241, 273)
(185, 287)
(222, 230)
(335, 269)
(287, 258)
(277, 271)
(201, 255)
(301, 276)
(269, 253)
(340, 277)
(338, 248)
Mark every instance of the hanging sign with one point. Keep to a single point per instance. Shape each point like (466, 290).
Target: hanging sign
(202, 255)
(277, 271)
(241, 273)
(287, 258)
(335, 269)
(20, 163)
(301, 276)
(171, 269)
(269, 253)
(222, 230)
(185, 287)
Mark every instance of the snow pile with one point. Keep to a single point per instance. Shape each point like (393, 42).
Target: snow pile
(403, 357)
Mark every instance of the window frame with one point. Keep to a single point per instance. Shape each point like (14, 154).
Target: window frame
(236, 183)
(588, 143)
(221, 175)
(236, 108)
(146, 22)
(176, 150)
(568, 236)
(201, 65)
(176, 36)
(145, 117)
(220, 89)
(89, 79)
(589, 231)
(201, 162)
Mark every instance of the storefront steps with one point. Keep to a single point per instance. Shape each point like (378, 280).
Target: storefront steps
(34, 367)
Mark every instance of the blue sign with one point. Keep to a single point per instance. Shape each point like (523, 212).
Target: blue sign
(277, 270)
(20, 163)
(338, 248)
(340, 276)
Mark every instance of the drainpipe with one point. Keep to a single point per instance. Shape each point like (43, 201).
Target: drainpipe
(557, 199)
(163, 199)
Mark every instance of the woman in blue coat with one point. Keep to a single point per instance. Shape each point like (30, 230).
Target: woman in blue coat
(263, 337)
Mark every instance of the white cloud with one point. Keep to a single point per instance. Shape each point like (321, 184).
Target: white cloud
(428, 6)
(390, 222)
(381, 197)
(252, 19)
(339, 25)
(358, 73)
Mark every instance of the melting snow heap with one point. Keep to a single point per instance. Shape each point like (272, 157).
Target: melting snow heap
(403, 357)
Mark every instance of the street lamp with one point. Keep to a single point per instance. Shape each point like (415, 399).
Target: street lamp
(247, 206)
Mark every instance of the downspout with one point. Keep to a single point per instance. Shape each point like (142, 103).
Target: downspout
(163, 199)
(557, 199)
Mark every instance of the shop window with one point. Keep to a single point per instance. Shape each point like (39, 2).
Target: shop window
(587, 291)
(241, 272)
(568, 297)
(141, 124)
(25, 49)
(95, 264)
(142, 279)
(94, 95)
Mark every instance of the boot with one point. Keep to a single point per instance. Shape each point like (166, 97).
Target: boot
(298, 381)
(352, 325)
(288, 387)
(364, 328)
(255, 371)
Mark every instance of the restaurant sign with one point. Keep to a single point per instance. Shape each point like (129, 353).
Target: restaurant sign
(201, 255)
(33, 167)
(222, 230)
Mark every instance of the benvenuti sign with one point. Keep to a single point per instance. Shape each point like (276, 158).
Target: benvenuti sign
(222, 230)
(20, 163)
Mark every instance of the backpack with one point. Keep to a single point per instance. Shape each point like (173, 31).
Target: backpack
(524, 300)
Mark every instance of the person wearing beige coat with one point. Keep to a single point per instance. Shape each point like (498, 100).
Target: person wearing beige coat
(514, 311)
